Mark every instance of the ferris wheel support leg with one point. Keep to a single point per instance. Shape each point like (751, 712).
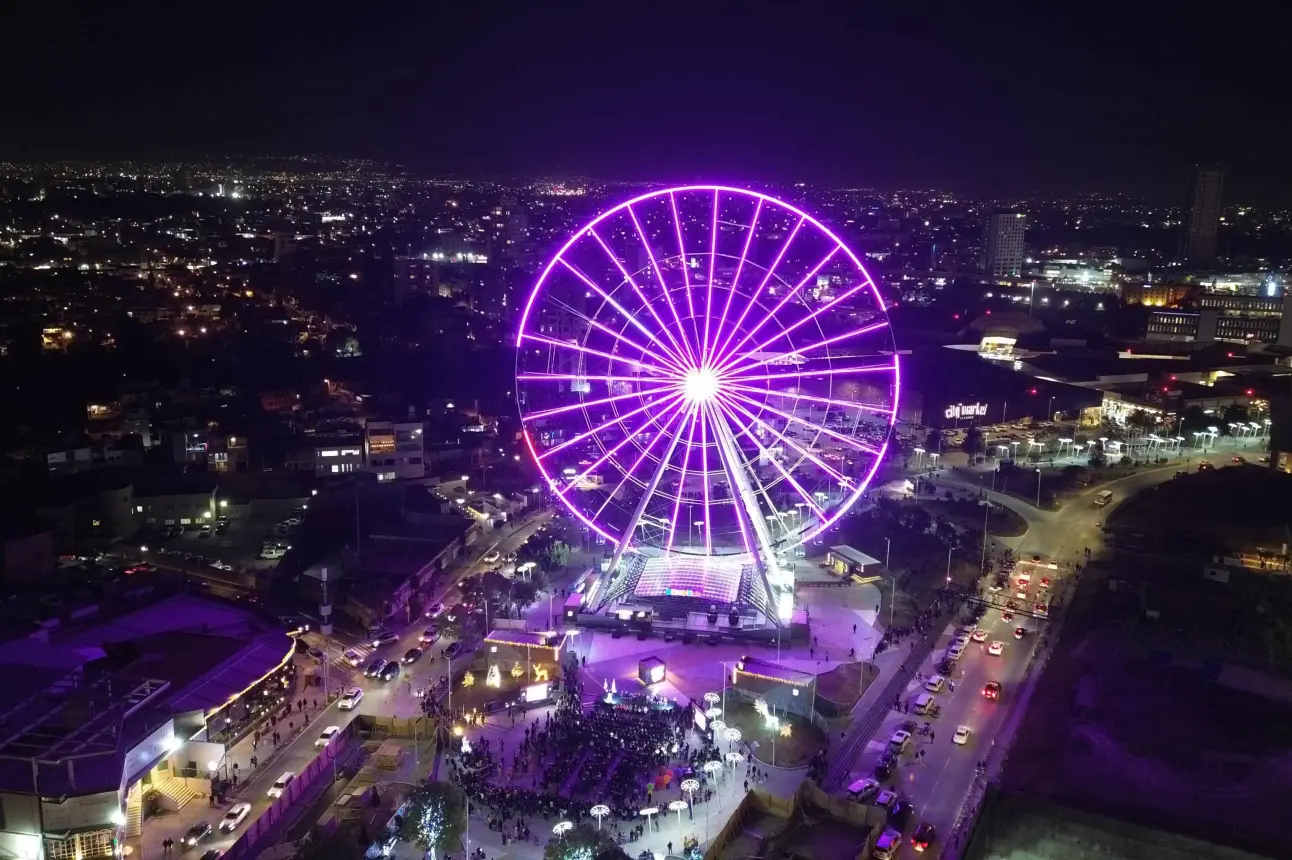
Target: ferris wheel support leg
(641, 505)
(779, 583)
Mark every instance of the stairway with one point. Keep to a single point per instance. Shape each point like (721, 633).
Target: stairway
(134, 814)
(177, 790)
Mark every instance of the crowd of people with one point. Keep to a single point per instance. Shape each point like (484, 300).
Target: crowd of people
(571, 760)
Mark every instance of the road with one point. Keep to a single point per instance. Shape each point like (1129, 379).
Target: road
(939, 782)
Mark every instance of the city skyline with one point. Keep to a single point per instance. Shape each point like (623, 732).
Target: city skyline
(993, 105)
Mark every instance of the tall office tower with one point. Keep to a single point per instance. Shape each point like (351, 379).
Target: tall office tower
(1003, 252)
(1202, 219)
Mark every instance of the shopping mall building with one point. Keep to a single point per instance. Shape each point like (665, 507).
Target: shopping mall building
(95, 715)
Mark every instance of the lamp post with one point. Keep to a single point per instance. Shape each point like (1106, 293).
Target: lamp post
(732, 735)
(1038, 487)
(892, 581)
(949, 549)
(563, 827)
(599, 812)
(677, 806)
(648, 812)
(689, 787)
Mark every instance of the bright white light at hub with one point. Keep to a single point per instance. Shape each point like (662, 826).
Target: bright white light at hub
(700, 385)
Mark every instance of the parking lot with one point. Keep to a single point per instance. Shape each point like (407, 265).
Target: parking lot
(241, 544)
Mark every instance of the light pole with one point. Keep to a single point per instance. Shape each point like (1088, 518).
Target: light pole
(648, 812)
(677, 806)
(949, 549)
(1038, 488)
(599, 812)
(892, 581)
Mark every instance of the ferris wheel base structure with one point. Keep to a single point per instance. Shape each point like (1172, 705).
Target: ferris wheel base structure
(697, 595)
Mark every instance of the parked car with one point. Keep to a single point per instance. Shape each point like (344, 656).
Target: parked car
(325, 736)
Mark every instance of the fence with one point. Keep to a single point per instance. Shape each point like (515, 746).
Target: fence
(248, 845)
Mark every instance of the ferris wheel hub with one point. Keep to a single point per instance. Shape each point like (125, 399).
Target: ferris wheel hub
(700, 385)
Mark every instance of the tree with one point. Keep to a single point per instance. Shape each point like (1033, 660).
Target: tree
(321, 846)
(583, 842)
(973, 443)
(1142, 420)
(434, 817)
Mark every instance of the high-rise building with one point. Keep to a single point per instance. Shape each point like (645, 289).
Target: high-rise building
(1202, 219)
(1003, 249)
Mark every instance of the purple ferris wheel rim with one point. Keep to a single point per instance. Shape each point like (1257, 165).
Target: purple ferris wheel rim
(675, 360)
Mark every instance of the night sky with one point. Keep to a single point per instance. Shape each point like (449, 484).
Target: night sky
(983, 98)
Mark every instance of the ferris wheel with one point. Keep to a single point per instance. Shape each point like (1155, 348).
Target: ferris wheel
(706, 371)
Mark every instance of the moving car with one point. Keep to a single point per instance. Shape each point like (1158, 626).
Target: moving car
(899, 741)
(885, 799)
(386, 638)
(1045, 582)
(196, 833)
(429, 635)
(991, 690)
(980, 635)
(435, 611)
(901, 814)
(350, 699)
(1007, 617)
(212, 854)
(454, 649)
(1020, 632)
(317, 655)
(235, 816)
(389, 672)
(325, 736)
(961, 736)
(925, 835)
(352, 658)
(374, 668)
(412, 655)
(280, 784)
(491, 557)
(935, 684)
(995, 649)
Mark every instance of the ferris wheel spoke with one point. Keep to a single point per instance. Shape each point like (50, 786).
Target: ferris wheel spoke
(731, 288)
(681, 484)
(586, 404)
(847, 440)
(767, 455)
(704, 479)
(614, 304)
(618, 446)
(732, 353)
(802, 452)
(708, 284)
(584, 377)
(746, 467)
(657, 404)
(730, 370)
(665, 360)
(880, 408)
(646, 449)
(663, 286)
(677, 353)
(753, 297)
(574, 347)
(686, 275)
(829, 371)
(833, 303)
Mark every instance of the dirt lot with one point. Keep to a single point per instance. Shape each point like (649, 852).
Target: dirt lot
(1114, 732)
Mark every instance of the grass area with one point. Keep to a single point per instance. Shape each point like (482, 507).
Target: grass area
(1001, 521)
(846, 683)
(795, 750)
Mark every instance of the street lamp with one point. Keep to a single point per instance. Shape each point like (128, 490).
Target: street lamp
(599, 812)
(648, 812)
(732, 735)
(1038, 487)
(677, 806)
(563, 827)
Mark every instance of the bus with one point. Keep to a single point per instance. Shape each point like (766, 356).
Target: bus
(1103, 498)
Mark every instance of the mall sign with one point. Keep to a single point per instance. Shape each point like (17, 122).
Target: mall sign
(966, 410)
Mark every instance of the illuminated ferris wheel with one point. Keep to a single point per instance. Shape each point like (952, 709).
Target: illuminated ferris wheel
(706, 371)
